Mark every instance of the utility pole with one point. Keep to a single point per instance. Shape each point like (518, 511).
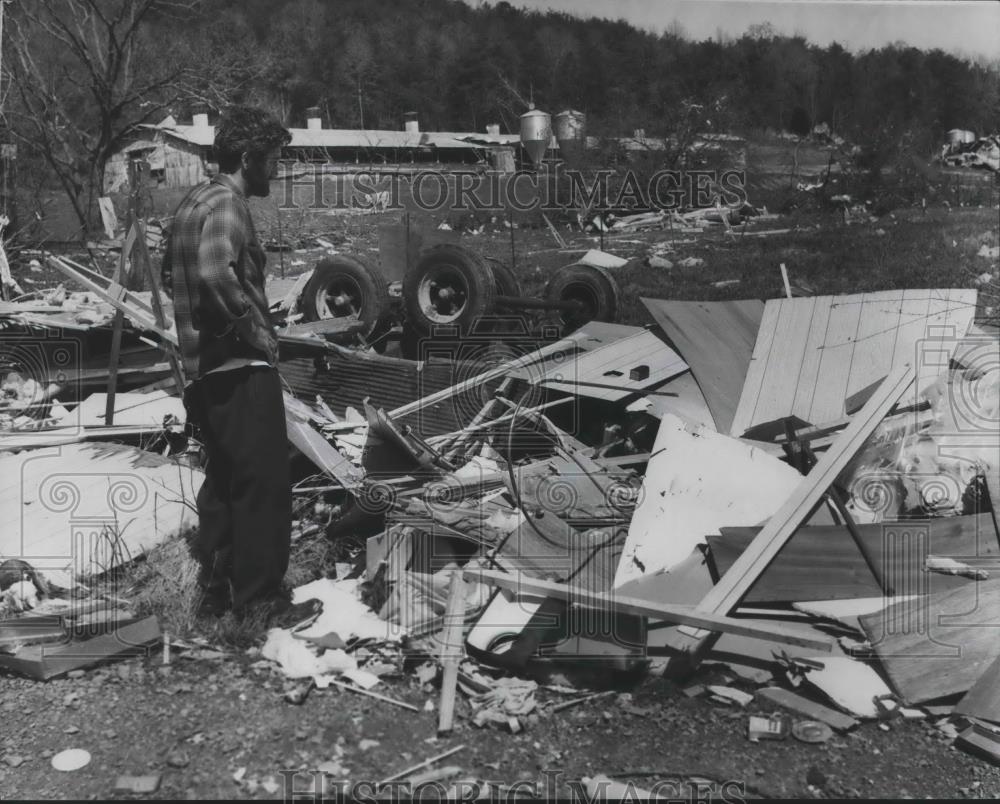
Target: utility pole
(361, 106)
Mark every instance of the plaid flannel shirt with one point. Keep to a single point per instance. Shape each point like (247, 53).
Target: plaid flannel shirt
(214, 266)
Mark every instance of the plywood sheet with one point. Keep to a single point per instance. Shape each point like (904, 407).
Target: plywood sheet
(812, 353)
(716, 339)
(939, 645)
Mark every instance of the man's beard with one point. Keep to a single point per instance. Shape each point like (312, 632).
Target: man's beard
(260, 188)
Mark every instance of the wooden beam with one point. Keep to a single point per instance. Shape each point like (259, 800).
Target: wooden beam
(124, 303)
(451, 651)
(681, 615)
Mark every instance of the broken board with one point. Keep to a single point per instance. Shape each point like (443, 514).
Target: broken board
(810, 709)
(938, 645)
(43, 662)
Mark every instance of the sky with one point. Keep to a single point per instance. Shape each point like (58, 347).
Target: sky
(969, 28)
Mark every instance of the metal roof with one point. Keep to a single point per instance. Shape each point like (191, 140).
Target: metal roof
(204, 136)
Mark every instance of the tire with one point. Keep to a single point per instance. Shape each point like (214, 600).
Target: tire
(342, 286)
(593, 287)
(449, 286)
(504, 281)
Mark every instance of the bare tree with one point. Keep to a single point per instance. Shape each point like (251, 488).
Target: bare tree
(84, 73)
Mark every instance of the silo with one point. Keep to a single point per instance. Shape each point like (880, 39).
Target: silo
(536, 134)
(570, 127)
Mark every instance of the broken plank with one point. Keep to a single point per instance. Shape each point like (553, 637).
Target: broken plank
(34, 630)
(980, 741)
(62, 436)
(131, 307)
(810, 709)
(683, 615)
(451, 651)
(43, 662)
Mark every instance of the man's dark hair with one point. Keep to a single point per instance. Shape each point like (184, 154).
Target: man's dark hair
(246, 129)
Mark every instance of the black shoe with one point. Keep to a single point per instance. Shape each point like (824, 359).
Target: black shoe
(280, 612)
(213, 601)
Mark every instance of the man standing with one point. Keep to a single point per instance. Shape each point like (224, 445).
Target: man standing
(215, 267)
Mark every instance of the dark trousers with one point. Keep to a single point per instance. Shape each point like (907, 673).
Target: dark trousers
(245, 503)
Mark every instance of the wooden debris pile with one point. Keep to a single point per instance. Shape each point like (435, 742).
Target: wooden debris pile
(798, 495)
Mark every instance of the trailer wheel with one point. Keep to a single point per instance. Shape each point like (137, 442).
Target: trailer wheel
(344, 286)
(593, 289)
(449, 286)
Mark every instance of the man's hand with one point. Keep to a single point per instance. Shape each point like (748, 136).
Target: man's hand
(259, 333)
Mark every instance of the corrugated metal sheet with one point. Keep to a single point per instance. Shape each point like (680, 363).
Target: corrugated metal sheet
(348, 377)
(814, 352)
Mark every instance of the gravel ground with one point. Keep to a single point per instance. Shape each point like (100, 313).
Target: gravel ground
(199, 722)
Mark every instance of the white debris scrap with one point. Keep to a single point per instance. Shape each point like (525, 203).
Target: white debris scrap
(298, 659)
(343, 612)
(698, 481)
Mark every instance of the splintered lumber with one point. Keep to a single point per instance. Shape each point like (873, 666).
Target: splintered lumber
(733, 586)
(810, 709)
(451, 651)
(938, 645)
(680, 614)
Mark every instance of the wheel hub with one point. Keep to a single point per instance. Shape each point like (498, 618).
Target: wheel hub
(342, 299)
(443, 295)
